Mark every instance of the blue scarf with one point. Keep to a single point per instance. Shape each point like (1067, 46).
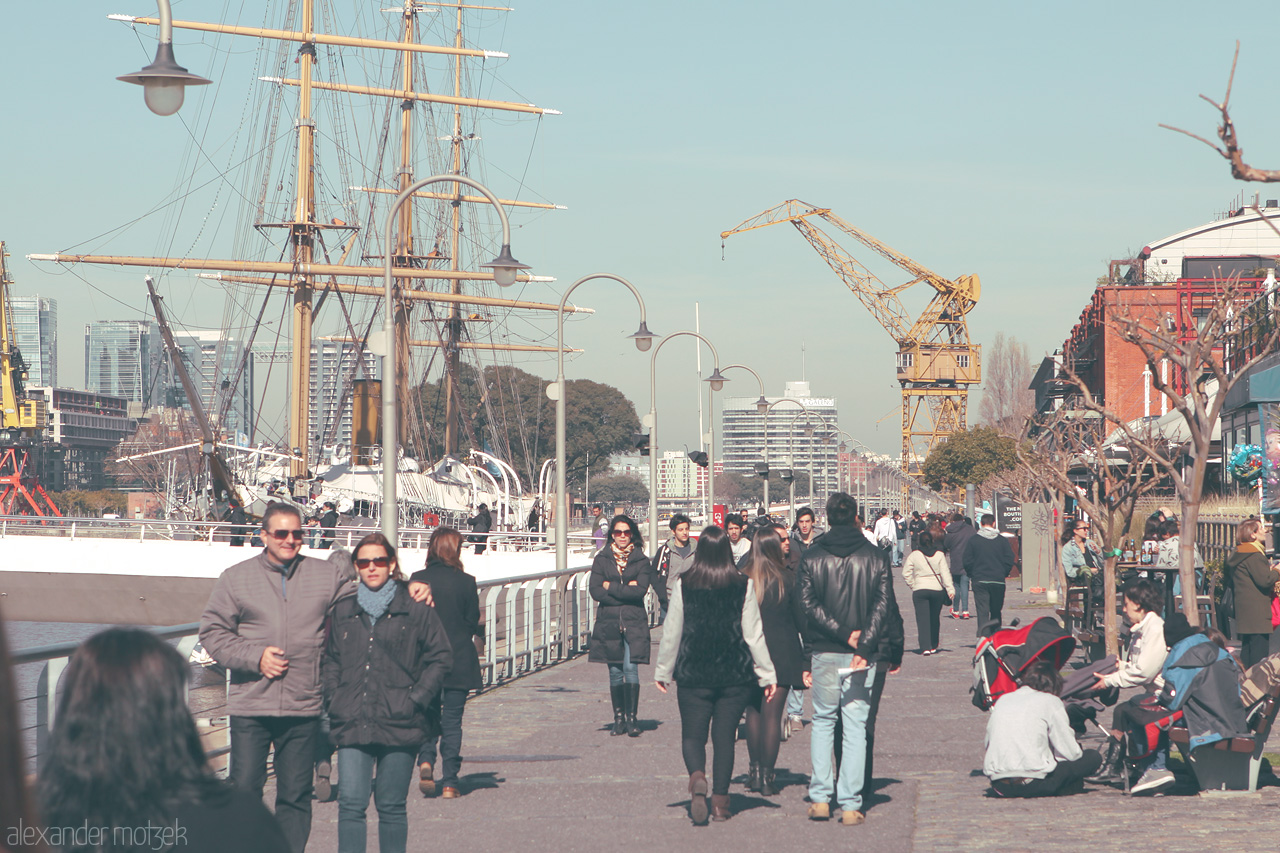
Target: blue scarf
(375, 602)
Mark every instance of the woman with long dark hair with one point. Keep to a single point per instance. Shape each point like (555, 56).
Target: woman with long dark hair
(781, 617)
(620, 577)
(384, 664)
(457, 602)
(713, 648)
(125, 757)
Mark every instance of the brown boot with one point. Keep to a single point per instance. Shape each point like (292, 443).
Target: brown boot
(698, 798)
(720, 807)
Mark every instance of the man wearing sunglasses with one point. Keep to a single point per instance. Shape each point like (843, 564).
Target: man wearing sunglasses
(265, 623)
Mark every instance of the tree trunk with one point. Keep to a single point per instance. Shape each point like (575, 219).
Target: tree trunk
(1187, 560)
(1109, 622)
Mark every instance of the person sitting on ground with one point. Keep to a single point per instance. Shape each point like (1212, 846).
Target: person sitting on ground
(1143, 604)
(1031, 750)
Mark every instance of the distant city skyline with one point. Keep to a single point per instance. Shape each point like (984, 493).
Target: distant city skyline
(1019, 142)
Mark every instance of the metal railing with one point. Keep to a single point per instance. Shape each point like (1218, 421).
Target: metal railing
(221, 532)
(529, 624)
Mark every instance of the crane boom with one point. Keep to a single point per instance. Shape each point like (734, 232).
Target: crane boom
(935, 361)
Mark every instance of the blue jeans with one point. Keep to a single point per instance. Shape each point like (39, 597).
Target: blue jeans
(390, 789)
(897, 551)
(626, 671)
(960, 601)
(452, 703)
(795, 703)
(850, 698)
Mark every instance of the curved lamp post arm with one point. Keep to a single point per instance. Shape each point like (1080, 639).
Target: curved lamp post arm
(504, 267)
(716, 380)
(644, 339)
(767, 410)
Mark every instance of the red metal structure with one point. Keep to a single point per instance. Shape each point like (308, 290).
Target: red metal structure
(20, 493)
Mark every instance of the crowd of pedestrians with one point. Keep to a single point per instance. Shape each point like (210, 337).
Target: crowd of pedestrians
(348, 653)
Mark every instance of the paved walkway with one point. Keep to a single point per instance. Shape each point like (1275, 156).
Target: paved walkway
(542, 773)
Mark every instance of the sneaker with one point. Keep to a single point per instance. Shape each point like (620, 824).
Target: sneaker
(965, 615)
(955, 614)
(323, 785)
(852, 818)
(820, 811)
(1153, 780)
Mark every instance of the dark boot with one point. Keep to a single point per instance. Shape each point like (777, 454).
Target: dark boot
(698, 798)
(720, 807)
(753, 777)
(768, 782)
(633, 707)
(618, 692)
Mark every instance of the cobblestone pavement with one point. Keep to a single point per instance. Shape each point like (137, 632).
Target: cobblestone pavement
(541, 773)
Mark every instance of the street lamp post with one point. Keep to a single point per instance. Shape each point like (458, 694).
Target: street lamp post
(762, 407)
(504, 268)
(644, 340)
(791, 436)
(716, 381)
(768, 408)
(163, 81)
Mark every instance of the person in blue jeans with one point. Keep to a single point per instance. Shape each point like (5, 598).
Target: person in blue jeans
(846, 592)
(384, 664)
(621, 575)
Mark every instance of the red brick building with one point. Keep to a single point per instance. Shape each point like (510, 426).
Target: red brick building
(1173, 282)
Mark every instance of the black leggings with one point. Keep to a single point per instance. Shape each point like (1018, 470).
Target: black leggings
(1066, 778)
(764, 726)
(719, 708)
(928, 604)
(1253, 648)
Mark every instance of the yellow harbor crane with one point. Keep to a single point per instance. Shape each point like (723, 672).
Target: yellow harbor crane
(936, 361)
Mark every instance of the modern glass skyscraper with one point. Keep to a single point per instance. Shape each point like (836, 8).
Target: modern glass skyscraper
(35, 332)
(122, 358)
(331, 370)
(217, 365)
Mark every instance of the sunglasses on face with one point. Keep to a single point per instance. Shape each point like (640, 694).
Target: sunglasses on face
(285, 534)
(622, 533)
(380, 562)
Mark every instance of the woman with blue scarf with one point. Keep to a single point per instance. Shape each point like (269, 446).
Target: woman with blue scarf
(385, 661)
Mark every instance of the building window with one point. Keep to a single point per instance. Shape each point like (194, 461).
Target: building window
(962, 361)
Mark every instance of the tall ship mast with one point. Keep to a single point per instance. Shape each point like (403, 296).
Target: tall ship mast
(349, 119)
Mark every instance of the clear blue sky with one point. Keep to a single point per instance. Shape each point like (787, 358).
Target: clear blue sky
(1018, 141)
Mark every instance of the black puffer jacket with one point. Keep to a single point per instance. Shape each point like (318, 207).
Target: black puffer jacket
(845, 585)
(381, 680)
(621, 616)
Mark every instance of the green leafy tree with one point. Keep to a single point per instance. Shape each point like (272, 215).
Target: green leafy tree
(619, 489)
(969, 456)
(81, 503)
(505, 411)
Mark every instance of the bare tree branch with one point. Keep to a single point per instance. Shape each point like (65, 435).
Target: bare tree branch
(1231, 150)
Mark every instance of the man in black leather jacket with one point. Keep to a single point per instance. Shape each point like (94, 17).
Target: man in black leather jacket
(846, 590)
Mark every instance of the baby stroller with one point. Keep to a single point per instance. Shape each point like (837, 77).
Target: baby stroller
(1001, 658)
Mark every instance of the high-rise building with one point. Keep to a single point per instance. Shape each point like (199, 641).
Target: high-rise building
(332, 363)
(217, 364)
(35, 333)
(122, 359)
(796, 437)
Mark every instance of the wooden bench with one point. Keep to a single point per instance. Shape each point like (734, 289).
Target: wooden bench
(1232, 764)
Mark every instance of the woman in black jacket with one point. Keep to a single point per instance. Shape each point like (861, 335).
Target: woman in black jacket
(713, 647)
(457, 602)
(385, 660)
(620, 577)
(1252, 580)
(781, 617)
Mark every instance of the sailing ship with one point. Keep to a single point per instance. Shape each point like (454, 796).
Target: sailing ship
(348, 106)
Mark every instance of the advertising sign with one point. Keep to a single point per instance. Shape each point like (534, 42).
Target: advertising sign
(717, 515)
(1269, 418)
